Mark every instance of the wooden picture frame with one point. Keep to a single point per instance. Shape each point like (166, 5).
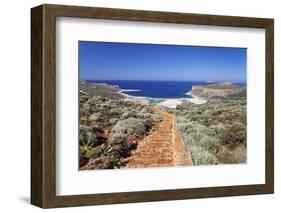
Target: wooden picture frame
(43, 105)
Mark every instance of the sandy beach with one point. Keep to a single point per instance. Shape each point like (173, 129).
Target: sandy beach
(196, 99)
(143, 100)
(172, 103)
(169, 103)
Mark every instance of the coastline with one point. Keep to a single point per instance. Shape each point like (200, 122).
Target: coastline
(141, 99)
(195, 99)
(130, 90)
(172, 103)
(167, 102)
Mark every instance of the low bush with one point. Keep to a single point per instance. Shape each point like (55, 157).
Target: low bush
(210, 143)
(202, 129)
(84, 110)
(184, 126)
(197, 136)
(87, 139)
(200, 156)
(128, 114)
(156, 118)
(181, 119)
(95, 117)
(113, 121)
(233, 135)
(144, 115)
(115, 112)
(228, 155)
(144, 110)
(200, 140)
(94, 152)
(131, 126)
(120, 145)
(118, 139)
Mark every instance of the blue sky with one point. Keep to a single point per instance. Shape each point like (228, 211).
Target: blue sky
(123, 61)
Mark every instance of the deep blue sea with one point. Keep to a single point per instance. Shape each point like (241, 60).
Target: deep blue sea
(154, 89)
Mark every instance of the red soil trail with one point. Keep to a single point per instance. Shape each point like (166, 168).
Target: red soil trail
(162, 148)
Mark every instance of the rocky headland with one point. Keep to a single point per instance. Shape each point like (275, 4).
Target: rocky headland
(216, 90)
(101, 89)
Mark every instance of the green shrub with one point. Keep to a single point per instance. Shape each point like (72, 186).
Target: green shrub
(87, 139)
(120, 146)
(147, 115)
(84, 108)
(95, 117)
(128, 114)
(202, 157)
(236, 155)
(144, 115)
(197, 136)
(131, 126)
(113, 121)
(105, 105)
(217, 127)
(90, 102)
(234, 134)
(181, 119)
(207, 142)
(118, 139)
(203, 129)
(200, 140)
(94, 152)
(156, 118)
(144, 110)
(188, 140)
(115, 112)
(210, 143)
(184, 127)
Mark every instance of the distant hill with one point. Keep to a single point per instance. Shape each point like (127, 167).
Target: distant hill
(216, 90)
(100, 89)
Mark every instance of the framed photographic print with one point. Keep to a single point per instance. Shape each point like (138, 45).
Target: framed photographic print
(136, 106)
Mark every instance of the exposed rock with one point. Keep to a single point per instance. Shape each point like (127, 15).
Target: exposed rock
(216, 90)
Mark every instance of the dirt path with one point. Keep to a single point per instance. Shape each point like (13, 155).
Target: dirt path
(163, 147)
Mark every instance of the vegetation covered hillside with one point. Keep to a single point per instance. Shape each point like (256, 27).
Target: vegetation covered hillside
(215, 132)
(110, 127)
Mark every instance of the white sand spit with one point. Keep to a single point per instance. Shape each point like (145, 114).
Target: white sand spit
(170, 103)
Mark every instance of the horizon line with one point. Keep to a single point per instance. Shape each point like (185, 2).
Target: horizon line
(207, 81)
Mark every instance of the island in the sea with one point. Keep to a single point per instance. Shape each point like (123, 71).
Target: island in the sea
(123, 127)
